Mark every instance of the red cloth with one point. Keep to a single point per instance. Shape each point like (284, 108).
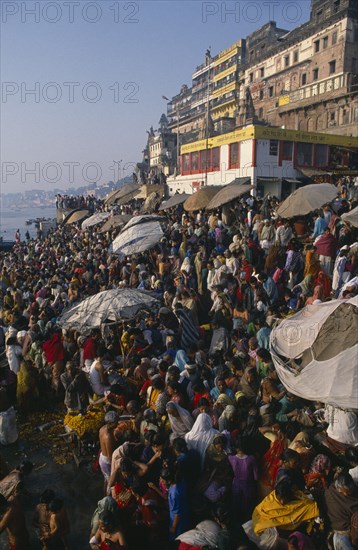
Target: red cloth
(186, 546)
(327, 245)
(53, 348)
(89, 349)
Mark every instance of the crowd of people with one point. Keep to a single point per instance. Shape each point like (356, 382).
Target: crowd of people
(201, 444)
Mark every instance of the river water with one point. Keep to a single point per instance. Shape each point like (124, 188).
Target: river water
(13, 219)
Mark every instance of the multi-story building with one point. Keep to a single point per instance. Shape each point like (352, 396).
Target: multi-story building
(307, 79)
(161, 148)
(215, 86)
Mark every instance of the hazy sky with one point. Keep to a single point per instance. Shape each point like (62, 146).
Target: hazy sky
(97, 72)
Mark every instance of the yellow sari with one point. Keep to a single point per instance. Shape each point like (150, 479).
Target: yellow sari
(271, 513)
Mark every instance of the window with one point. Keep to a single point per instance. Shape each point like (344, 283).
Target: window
(287, 60)
(332, 67)
(271, 91)
(295, 56)
(354, 65)
(287, 148)
(251, 77)
(356, 34)
(304, 79)
(332, 118)
(336, 6)
(215, 158)
(316, 46)
(325, 42)
(186, 163)
(262, 72)
(345, 116)
(319, 16)
(273, 147)
(261, 95)
(261, 113)
(304, 154)
(203, 164)
(334, 38)
(315, 74)
(194, 157)
(321, 155)
(234, 155)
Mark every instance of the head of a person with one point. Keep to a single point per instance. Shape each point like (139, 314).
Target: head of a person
(56, 505)
(172, 410)
(179, 446)
(111, 419)
(158, 442)
(344, 484)
(221, 384)
(290, 459)
(203, 405)
(173, 373)
(107, 522)
(150, 416)
(284, 492)
(139, 487)
(158, 383)
(219, 443)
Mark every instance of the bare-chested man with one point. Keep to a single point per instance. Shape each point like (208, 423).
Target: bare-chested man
(108, 444)
(13, 520)
(59, 527)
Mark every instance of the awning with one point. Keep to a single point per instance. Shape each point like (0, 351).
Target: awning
(313, 172)
(264, 179)
(290, 180)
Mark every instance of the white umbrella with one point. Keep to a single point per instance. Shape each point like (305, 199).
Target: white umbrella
(306, 199)
(144, 218)
(109, 305)
(315, 352)
(95, 219)
(351, 217)
(137, 238)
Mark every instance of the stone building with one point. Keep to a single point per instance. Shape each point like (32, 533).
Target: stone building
(306, 79)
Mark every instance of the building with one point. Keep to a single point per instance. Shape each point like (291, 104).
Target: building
(161, 148)
(273, 160)
(307, 79)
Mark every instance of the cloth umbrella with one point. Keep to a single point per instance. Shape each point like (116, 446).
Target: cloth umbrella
(144, 218)
(109, 305)
(76, 216)
(201, 198)
(351, 217)
(114, 222)
(175, 200)
(306, 199)
(315, 352)
(95, 219)
(137, 239)
(124, 194)
(230, 192)
(151, 202)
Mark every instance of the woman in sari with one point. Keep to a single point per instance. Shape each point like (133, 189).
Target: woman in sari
(271, 459)
(325, 282)
(312, 263)
(181, 421)
(27, 391)
(201, 435)
(317, 296)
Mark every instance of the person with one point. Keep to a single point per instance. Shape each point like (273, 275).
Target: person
(244, 484)
(181, 421)
(201, 435)
(13, 483)
(340, 502)
(59, 527)
(299, 541)
(107, 443)
(13, 521)
(77, 388)
(108, 535)
(179, 519)
(42, 515)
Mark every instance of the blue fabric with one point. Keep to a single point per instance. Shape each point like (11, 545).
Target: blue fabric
(319, 226)
(178, 506)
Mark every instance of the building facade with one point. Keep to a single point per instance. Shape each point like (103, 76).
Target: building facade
(273, 160)
(308, 79)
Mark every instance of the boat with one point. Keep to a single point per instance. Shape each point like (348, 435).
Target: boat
(6, 246)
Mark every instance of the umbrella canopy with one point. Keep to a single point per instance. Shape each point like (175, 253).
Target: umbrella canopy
(306, 199)
(76, 216)
(95, 219)
(230, 192)
(315, 352)
(123, 194)
(179, 198)
(137, 238)
(201, 198)
(109, 305)
(151, 202)
(114, 222)
(144, 218)
(351, 217)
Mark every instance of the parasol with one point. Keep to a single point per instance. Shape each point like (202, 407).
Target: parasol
(175, 200)
(151, 202)
(114, 222)
(97, 218)
(351, 217)
(306, 199)
(230, 192)
(77, 216)
(137, 238)
(109, 305)
(124, 194)
(201, 198)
